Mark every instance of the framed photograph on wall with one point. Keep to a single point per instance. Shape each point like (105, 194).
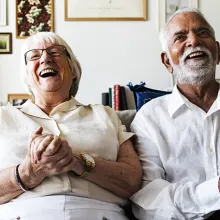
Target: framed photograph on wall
(3, 12)
(105, 10)
(33, 17)
(167, 7)
(18, 99)
(5, 43)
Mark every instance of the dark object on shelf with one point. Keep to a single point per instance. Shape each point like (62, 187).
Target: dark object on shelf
(143, 94)
(105, 98)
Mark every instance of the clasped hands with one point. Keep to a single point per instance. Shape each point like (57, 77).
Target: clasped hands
(53, 154)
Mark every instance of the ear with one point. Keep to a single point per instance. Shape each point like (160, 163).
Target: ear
(218, 52)
(166, 61)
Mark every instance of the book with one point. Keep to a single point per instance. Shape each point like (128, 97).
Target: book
(123, 99)
(110, 97)
(116, 97)
(105, 98)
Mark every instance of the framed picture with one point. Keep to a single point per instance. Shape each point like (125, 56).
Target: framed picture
(3, 9)
(18, 99)
(5, 43)
(167, 7)
(105, 10)
(33, 17)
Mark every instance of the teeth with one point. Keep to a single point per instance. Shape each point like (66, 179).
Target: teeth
(195, 54)
(47, 71)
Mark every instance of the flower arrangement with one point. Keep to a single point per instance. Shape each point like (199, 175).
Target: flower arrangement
(34, 16)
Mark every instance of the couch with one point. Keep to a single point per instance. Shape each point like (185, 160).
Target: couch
(126, 117)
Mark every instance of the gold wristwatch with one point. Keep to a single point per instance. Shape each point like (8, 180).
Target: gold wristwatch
(89, 164)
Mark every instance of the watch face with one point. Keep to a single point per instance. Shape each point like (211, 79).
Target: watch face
(89, 158)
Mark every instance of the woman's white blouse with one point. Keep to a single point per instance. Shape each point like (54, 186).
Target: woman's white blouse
(95, 129)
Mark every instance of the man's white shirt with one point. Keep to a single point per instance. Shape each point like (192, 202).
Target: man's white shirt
(179, 147)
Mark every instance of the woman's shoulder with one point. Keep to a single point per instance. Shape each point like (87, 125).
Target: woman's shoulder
(9, 109)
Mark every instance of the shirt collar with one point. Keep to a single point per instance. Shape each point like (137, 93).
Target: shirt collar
(176, 100)
(31, 109)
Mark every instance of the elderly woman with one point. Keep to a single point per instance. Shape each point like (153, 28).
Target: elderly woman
(60, 159)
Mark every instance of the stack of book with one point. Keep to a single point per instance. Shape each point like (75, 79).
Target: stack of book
(116, 98)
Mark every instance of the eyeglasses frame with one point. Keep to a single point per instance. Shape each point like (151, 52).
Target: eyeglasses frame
(64, 51)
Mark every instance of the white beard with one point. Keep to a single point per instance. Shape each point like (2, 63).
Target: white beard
(194, 72)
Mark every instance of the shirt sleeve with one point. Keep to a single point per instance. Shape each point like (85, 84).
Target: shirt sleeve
(122, 133)
(160, 199)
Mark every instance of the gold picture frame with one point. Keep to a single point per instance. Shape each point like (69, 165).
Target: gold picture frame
(5, 43)
(33, 17)
(18, 99)
(105, 10)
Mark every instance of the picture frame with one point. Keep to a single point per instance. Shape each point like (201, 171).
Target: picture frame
(3, 12)
(163, 5)
(18, 99)
(105, 10)
(33, 17)
(5, 43)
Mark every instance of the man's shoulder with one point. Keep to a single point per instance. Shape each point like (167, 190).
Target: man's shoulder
(153, 105)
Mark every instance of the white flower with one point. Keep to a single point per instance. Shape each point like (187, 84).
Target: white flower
(36, 2)
(30, 19)
(48, 8)
(20, 20)
(32, 30)
(49, 23)
(21, 5)
(34, 11)
(22, 34)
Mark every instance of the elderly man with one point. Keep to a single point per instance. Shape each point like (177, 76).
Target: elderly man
(178, 137)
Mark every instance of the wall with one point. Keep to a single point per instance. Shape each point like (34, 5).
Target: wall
(109, 52)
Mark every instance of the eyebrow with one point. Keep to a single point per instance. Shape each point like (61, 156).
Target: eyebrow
(194, 29)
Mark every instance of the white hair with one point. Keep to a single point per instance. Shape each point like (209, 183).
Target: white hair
(164, 31)
(50, 37)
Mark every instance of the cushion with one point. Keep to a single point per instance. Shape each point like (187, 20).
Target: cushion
(143, 94)
(126, 117)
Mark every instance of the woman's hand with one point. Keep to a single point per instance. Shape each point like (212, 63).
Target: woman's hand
(53, 153)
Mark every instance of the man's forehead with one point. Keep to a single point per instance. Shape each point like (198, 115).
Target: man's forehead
(185, 22)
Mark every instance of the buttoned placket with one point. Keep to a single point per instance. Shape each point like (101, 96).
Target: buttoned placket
(210, 157)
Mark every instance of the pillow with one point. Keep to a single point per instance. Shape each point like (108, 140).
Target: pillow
(143, 94)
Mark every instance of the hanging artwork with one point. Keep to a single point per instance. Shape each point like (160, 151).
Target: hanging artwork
(33, 16)
(105, 10)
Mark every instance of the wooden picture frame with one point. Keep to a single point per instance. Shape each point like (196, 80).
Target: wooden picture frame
(105, 10)
(162, 6)
(18, 99)
(33, 17)
(5, 43)
(3, 12)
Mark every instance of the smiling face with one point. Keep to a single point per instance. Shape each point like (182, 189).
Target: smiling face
(193, 51)
(49, 73)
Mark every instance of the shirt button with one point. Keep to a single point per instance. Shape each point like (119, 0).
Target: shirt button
(65, 185)
(210, 150)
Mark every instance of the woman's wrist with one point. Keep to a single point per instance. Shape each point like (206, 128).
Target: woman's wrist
(79, 167)
(31, 174)
(19, 181)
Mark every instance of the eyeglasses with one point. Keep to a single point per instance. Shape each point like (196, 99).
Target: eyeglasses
(54, 51)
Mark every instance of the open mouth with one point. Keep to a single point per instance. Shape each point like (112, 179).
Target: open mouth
(48, 73)
(198, 54)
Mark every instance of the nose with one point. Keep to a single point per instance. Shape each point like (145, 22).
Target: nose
(45, 58)
(193, 40)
